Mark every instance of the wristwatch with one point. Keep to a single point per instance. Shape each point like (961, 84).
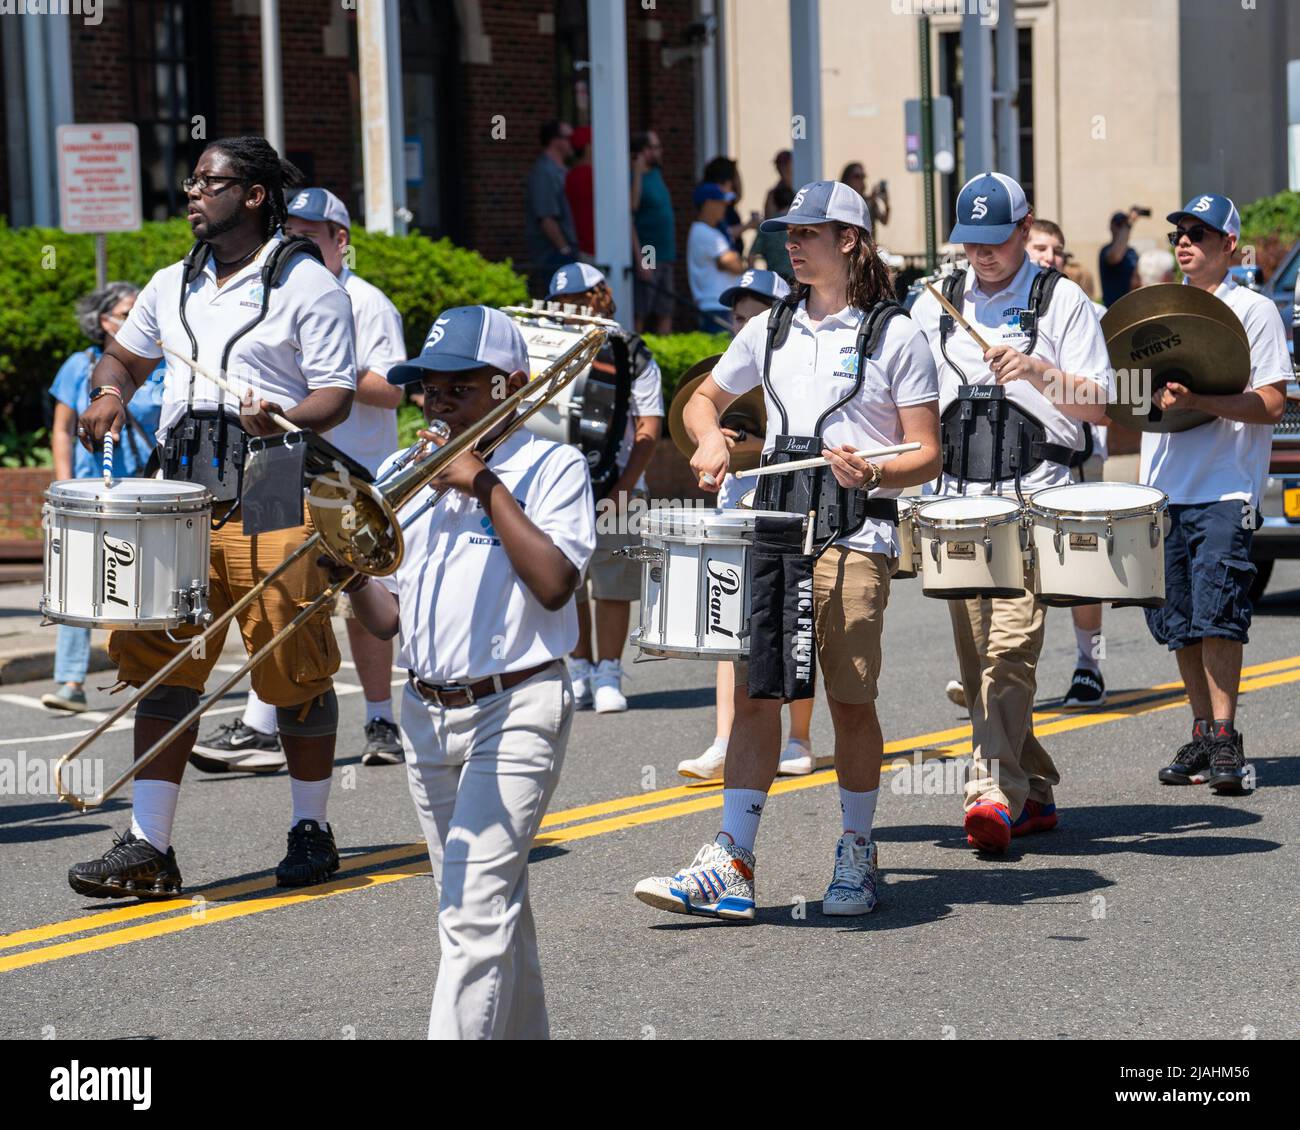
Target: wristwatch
(873, 479)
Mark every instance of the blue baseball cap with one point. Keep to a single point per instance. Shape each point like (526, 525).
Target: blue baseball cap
(820, 202)
(762, 284)
(989, 207)
(319, 204)
(1217, 212)
(710, 191)
(574, 278)
(466, 337)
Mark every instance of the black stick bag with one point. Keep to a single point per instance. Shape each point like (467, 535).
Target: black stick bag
(782, 651)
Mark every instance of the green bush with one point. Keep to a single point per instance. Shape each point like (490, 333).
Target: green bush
(1270, 226)
(678, 352)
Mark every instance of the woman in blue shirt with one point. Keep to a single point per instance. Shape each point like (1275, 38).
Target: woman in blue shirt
(100, 314)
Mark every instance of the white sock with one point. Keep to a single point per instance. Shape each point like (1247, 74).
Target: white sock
(741, 811)
(1085, 643)
(153, 810)
(259, 715)
(310, 799)
(719, 745)
(382, 710)
(859, 811)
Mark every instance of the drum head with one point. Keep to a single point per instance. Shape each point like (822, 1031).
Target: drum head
(1097, 498)
(699, 522)
(125, 491)
(972, 508)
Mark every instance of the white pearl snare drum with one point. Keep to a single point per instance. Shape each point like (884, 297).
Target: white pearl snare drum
(971, 546)
(133, 555)
(1097, 542)
(909, 548)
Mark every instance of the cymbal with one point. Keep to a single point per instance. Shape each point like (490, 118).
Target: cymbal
(747, 414)
(1171, 333)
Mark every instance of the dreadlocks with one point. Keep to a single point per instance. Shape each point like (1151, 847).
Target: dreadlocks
(257, 162)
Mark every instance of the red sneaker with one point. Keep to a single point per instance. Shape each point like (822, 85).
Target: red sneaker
(1035, 817)
(988, 827)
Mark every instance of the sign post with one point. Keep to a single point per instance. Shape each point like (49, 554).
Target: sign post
(99, 183)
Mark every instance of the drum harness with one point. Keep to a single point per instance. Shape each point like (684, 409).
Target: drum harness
(206, 446)
(602, 451)
(840, 511)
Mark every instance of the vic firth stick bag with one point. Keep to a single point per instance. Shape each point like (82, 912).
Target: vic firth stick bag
(782, 648)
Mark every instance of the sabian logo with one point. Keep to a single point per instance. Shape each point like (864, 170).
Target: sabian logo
(117, 555)
(724, 581)
(1153, 339)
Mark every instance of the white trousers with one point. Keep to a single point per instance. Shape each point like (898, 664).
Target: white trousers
(481, 777)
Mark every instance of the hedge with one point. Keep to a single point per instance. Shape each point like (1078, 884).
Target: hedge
(1271, 225)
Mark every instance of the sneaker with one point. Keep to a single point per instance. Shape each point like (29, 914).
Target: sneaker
(708, 766)
(1190, 765)
(383, 743)
(581, 671)
(132, 866)
(1227, 768)
(1087, 688)
(796, 760)
(853, 886)
(607, 684)
(237, 748)
(312, 856)
(68, 698)
(719, 883)
(988, 827)
(1034, 817)
(956, 693)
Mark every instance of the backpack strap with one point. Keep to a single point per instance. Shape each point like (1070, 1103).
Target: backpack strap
(779, 320)
(1040, 296)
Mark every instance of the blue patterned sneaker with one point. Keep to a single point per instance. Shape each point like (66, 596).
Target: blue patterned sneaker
(719, 882)
(853, 886)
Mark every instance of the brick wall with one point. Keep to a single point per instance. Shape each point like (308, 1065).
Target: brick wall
(22, 493)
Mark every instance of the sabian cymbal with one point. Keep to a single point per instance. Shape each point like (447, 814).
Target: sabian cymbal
(1171, 333)
(747, 414)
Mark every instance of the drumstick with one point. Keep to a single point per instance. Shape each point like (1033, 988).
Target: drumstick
(821, 461)
(984, 345)
(108, 459)
(225, 386)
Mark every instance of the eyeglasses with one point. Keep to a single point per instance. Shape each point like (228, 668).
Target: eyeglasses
(1195, 234)
(204, 183)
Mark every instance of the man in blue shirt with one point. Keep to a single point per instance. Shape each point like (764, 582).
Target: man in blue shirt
(656, 233)
(1118, 260)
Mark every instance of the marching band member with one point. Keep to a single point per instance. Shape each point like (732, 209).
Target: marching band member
(1048, 354)
(1214, 475)
(841, 391)
(262, 307)
(483, 600)
(612, 583)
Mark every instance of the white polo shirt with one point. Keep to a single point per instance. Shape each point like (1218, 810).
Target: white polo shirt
(815, 367)
(1224, 459)
(705, 245)
(305, 342)
(369, 434)
(465, 614)
(1069, 339)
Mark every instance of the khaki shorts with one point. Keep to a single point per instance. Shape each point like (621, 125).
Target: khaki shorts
(850, 591)
(298, 670)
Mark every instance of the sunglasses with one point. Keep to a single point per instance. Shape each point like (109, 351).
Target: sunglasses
(1195, 234)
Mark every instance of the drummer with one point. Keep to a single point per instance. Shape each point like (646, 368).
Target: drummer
(1066, 380)
(825, 393)
(1214, 474)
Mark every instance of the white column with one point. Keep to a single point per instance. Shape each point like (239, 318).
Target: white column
(40, 133)
(380, 131)
(806, 89)
(977, 95)
(708, 144)
(272, 81)
(1007, 50)
(611, 162)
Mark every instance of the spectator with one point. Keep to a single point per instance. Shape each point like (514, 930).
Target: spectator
(1155, 266)
(770, 246)
(579, 191)
(725, 172)
(1118, 260)
(855, 176)
(100, 315)
(711, 262)
(784, 162)
(548, 224)
(655, 230)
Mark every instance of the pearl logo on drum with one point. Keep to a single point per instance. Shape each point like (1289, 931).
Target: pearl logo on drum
(117, 558)
(724, 582)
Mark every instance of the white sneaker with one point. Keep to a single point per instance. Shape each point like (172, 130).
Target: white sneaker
(796, 760)
(708, 766)
(853, 886)
(608, 687)
(580, 672)
(719, 883)
(956, 692)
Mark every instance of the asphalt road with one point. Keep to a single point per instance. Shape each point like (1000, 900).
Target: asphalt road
(1151, 911)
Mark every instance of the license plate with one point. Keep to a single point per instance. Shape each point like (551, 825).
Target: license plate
(1291, 503)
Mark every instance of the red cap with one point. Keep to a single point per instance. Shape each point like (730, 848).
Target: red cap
(581, 138)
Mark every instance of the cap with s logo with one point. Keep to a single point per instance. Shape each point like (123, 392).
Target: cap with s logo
(318, 204)
(767, 285)
(1217, 212)
(575, 278)
(466, 337)
(989, 207)
(820, 202)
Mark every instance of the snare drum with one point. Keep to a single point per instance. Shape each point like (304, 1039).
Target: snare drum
(909, 549)
(1099, 542)
(695, 582)
(971, 546)
(133, 555)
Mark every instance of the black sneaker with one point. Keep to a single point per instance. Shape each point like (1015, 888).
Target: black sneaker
(1189, 765)
(237, 748)
(383, 743)
(312, 856)
(1087, 688)
(130, 867)
(1227, 772)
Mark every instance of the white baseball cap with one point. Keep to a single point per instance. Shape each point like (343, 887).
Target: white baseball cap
(466, 337)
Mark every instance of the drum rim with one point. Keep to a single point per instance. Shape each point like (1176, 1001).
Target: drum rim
(919, 518)
(62, 485)
(743, 520)
(87, 508)
(1041, 510)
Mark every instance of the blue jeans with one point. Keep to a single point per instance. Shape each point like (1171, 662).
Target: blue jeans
(71, 654)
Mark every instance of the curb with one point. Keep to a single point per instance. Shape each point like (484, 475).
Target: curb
(27, 665)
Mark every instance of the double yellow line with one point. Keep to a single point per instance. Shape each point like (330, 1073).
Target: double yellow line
(103, 930)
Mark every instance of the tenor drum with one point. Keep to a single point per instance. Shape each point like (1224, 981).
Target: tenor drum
(909, 548)
(695, 582)
(971, 546)
(133, 555)
(1099, 542)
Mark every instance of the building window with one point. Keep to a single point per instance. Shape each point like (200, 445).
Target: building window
(169, 58)
(572, 82)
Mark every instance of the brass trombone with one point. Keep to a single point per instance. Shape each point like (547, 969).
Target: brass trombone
(357, 524)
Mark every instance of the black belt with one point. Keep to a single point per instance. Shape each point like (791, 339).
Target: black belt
(450, 695)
